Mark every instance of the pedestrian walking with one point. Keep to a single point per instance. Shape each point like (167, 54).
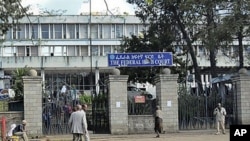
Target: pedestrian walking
(78, 123)
(220, 113)
(158, 121)
(86, 133)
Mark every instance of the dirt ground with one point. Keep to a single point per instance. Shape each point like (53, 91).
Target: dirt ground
(168, 137)
(196, 135)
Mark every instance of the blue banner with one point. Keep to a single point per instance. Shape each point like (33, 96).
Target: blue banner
(144, 59)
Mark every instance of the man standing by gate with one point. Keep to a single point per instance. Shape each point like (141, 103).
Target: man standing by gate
(220, 113)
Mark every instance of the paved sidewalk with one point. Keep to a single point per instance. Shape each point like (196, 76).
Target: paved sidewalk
(194, 135)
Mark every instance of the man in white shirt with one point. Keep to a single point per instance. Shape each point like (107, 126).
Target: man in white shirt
(220, 113)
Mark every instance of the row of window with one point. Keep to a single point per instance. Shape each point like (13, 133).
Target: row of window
(58, 50)
(233, 51)
(73, 31)
(96, 50)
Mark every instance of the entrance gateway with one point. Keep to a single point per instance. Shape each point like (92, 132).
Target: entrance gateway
(58, 105)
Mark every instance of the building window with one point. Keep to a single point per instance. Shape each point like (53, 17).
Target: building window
(70, 33)
(94, 31)
(77, 31)
(27, 30)
(83, 31)
(45, 31)
(34, 32)
(71, 51)
(58, 51)
(119, 31)
(14, 33)
(130, 30)
(51, 31)
(34, 51)
(106, 50)
(8, 35)
(107, 31)
(84, 50)
(113, 31)
(45, 51)
(58, 31)
(18, 32)
(21, 51)
(95, 51)
(9, 51)
(64, 32)
(247, 50)
(100, 31)
(21, 31)
(136, 30)
(28, 51)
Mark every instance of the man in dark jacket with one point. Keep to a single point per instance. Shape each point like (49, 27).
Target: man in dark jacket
(20, 130)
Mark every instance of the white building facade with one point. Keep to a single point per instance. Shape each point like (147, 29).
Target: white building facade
(65, 49)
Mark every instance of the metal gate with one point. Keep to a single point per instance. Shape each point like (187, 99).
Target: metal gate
(100, 110)
(58, 106)
(196, 109)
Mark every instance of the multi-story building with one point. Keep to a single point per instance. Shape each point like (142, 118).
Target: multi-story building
(65, 49)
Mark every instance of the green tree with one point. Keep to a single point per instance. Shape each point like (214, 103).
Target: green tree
(196, 22)
(211, 31)
(237, 24)
(10, 12)
(178, 20)
(18, 81)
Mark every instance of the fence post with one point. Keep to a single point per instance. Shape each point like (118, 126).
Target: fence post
(3, 128)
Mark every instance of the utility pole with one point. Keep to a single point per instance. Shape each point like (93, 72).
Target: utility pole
(91, 50)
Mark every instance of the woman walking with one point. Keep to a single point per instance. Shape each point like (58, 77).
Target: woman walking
(158, 121)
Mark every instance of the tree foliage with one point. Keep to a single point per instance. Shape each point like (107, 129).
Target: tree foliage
(18, 81)
(210, 24)
(236, 22)
(10, 12)
(173, 21)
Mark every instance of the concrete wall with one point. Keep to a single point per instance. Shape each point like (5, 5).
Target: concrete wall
(166, 92)
(118, 106)
(140, 124)
(33, 104)
(122, 123)
(241, 83)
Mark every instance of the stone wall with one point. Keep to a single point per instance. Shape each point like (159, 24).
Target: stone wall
(242, 97)
(166, 92)
(118, 107)
(33, 104)
(140, 124)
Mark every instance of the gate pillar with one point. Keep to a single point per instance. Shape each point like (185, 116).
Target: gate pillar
(33, 103)
(118, 107)
(241, 83)
(166, 93)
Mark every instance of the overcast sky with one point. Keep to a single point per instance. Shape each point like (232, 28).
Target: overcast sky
(75, 7)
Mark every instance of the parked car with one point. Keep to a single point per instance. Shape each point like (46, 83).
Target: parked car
(134, 91)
